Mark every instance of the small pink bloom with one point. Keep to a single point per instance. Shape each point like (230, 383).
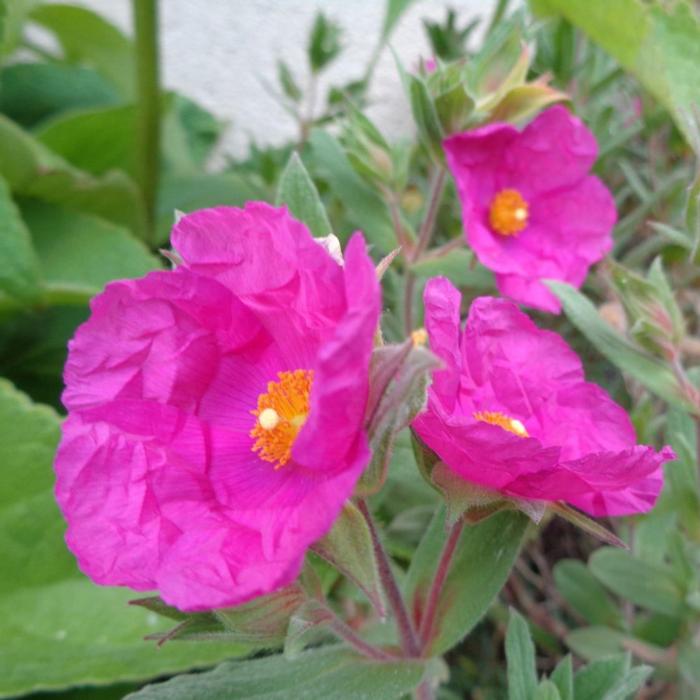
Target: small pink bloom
(216, 412)
(531, 211)
(512, 412)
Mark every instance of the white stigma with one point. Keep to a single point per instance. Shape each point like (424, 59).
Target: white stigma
(268, 419)
(520, 214)
(518, 427)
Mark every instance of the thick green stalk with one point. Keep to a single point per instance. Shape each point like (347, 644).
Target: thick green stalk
(145, 14)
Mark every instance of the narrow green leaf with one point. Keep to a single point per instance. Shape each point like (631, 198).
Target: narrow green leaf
(394, 10)
(348, 547)
(595, 642)
(482, 561)
(328, 673)
(520, 655)
(585, 593)
(546, 690)
(563, 678)
(650, 586)
(630, 684)
(594, 681)
(363, 206)
(308, 625)
(19, 267)
(647, 370)
(298, 192)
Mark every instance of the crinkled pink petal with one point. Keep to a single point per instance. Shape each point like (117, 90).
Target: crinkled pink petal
(156, 472)
(581, 445)
(570, 213)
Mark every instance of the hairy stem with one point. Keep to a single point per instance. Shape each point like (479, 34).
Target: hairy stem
(343, 631)
(407, 634)
(443, 568)
(145, 14)
(427, 227)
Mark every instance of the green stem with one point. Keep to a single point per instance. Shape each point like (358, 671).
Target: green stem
(426, 230)
(145, 14)
(443, 568)
(407, 634)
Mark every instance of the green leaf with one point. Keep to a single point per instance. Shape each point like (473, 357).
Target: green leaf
(324, 43)
(58, 628)
(482, 561)
(426, 117)
(81, 251)
(658, 43)
(563, 678)
(348, 547)
(652, 373)
(33, 92)
(33, 170)
(630, 684)
(364, 207)
(328, 673)
(308, 625)
(595, 642)
(594, 681)
(287, 82)
(13, 15)
(650, 586)
(460, 266)
(546, 690)
(399, 377)
(87, 38)
(19, 267)
(298, 192)
(585, 594)
(520, 656)
(394, 10)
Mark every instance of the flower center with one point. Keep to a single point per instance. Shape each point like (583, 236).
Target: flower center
(512, 425)
(281, 413)
(509, 212)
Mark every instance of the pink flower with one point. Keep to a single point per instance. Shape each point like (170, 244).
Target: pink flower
(530, 209)
(512, 412)
(216, 412)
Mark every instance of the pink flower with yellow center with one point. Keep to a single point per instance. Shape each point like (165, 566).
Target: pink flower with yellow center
(512, 413)
(531, 210)
(216, 412)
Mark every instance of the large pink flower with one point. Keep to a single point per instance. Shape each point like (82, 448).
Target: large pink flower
(531, 211)
(512, 412)
(216, 412)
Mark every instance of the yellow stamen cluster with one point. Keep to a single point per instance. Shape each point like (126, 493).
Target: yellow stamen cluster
(512, 425)
(509, 213)
(419, 337)
(280, 415)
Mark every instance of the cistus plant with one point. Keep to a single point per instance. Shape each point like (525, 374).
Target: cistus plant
(351, 417)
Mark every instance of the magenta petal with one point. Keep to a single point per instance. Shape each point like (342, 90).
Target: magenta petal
(555, 150)
(529, 291)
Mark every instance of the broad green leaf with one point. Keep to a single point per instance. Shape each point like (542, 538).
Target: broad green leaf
(328, 673)
(585, 593)
(82, 251)
(649, 371)
(298, 192)
(482, 561)
(520, 656)
(563, 678)
(348, 547)
(596, 642)
(365, 209)
(659, 43)
(19, 267)
(650, 586)
(630, 684)
(58, 628)
(94, 140)
(87, 38)
(33, 170)
(33, 92)
(598, 678)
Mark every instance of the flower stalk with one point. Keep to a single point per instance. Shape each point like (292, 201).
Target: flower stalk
(407, 634)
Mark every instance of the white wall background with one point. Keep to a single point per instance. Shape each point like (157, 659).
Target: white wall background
(220, 51)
